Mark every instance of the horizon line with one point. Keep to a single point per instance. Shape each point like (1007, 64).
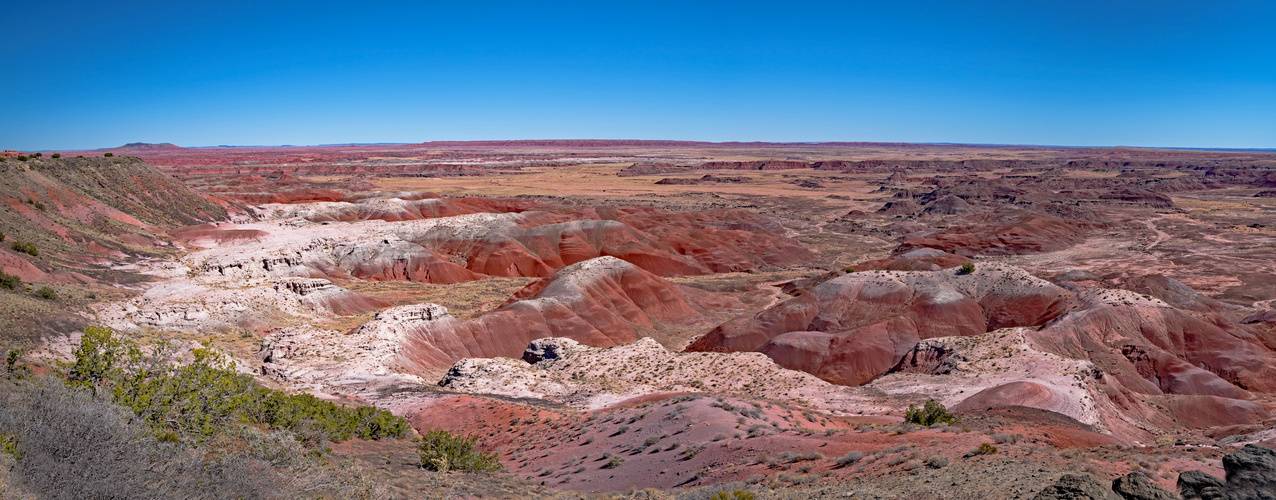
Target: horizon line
(674, 142)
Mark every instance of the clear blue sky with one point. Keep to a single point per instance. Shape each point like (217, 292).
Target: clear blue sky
(1145, 73)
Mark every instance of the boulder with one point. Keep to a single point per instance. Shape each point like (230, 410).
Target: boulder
(1251, 473)
(1197, 485)
(1137, 486)
(1077, 487)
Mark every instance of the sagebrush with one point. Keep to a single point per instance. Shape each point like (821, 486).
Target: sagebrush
(443, 451)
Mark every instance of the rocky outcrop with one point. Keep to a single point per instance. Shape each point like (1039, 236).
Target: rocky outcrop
(1268, 316)
(1197, 485)
(1251, 475)
(1133, 486)
(566, 371)
(326, 298)
(1077, 487)
(206, 308)
(1137, 486)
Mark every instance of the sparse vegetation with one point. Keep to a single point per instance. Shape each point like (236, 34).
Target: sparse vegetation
(936, 462)
(47, 293)
(849, 458)
(9, 281)
(932, 413)
(57, 155)
(24, 247)
(108, 155)
(13, 370)
(735, 494)
(22, 158)
(984, 449)
(71, 443)
(613, 462)
(967, 268)
(200, 399)
(443, 451)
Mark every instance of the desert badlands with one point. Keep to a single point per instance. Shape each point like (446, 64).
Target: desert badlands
(659, 319)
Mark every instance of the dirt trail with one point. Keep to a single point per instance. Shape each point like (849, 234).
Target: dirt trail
(1161, 236)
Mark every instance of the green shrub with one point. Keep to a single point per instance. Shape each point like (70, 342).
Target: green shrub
(108, 155)
(984, 449)
(442, 451)
(9, 281)
(202, 398)
(1, 235)
(22, 158)
(57, 155)
(931, 414)
(47, 293)
(25, 248)
(307, 414)
(37, 155)
(13, 370)
(849, 270)
(967, 268)
(37, 205)
(9, 446)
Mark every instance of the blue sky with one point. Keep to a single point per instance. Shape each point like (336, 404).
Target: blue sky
(1153, 73)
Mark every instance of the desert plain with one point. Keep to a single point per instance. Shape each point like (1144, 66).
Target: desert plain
(666, 319)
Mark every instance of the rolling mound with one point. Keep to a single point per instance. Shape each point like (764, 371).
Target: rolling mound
(600, 302)
(1155, 348)
(1027, 234)
(1019, 393)
(855, 327)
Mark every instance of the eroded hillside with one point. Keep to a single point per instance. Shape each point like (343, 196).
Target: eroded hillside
(676, 316)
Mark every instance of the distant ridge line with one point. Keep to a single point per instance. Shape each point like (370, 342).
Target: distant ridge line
(619, 143)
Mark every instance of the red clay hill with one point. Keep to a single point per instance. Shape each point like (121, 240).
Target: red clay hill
(599, 302)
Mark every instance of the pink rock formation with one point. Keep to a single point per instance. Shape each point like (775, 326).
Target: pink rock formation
(600, 302)
(1139, 344)
(854, 328)
(1021, 393)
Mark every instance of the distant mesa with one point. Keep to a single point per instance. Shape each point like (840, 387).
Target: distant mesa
(148, 146)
